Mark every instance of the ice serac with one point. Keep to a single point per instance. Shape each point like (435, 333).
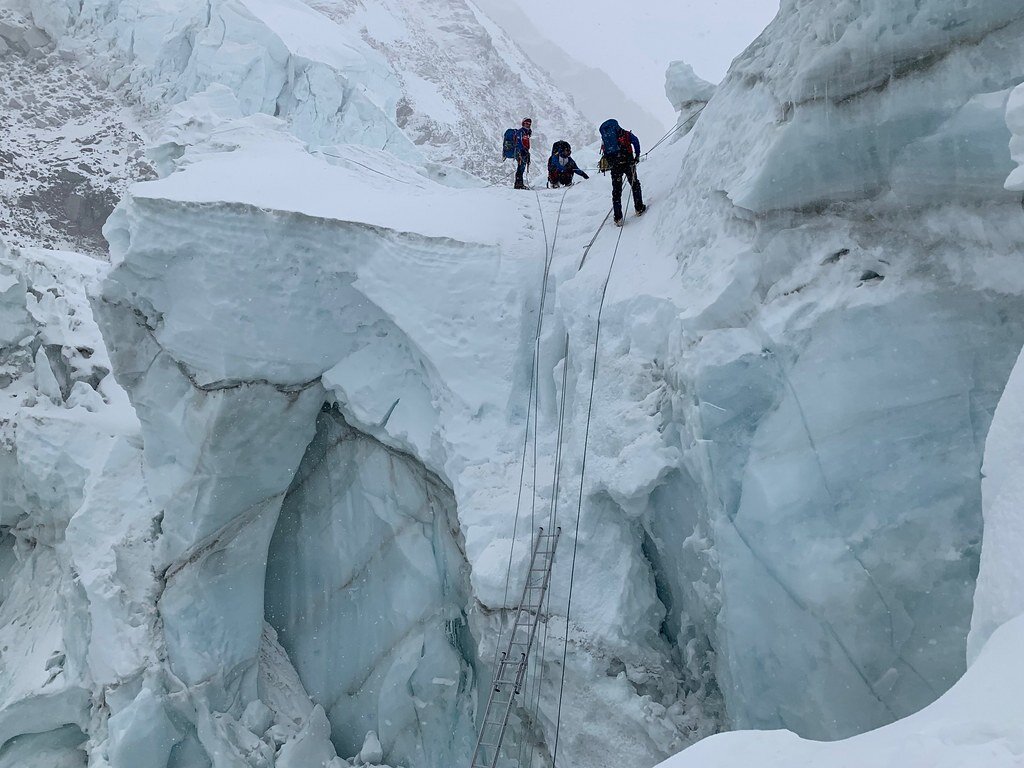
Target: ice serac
(72, 616)
(976, 722)
(865, 94)
(850, 301)
(684, 89)
(279, 58)
(230, 379)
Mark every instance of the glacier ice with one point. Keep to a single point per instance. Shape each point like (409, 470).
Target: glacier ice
(297, 532)
(799, 308)
(977, 722)
(859, 123)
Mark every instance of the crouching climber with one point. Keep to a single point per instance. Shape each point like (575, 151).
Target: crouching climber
(561, 167)
(620, 152)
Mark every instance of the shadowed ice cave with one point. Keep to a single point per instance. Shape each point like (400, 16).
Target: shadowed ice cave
(366, 586)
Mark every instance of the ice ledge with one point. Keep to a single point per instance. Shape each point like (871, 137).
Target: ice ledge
(276, 173)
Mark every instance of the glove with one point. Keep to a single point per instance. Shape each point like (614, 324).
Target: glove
(585, 176)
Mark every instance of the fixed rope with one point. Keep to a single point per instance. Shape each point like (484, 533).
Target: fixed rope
(549, 254)
(583, 474)
(688, 121)
(533, 408)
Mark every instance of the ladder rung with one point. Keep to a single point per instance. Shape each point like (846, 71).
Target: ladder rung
(509, 676)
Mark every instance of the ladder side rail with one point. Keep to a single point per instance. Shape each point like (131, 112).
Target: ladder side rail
(527, 617)
(506, 660)
(544, 589)
(505, 718)
(487, 710)
(523, 598)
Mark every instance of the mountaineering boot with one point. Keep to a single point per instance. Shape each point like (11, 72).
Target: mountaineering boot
(641, 209)
(618, 221)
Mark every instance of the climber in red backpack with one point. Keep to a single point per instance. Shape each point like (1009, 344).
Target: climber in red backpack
(620, 151)
(522, 149)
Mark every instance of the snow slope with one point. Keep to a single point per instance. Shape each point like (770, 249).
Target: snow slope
(68, 147)
(463, 81)
(597, 93)
(279, 58)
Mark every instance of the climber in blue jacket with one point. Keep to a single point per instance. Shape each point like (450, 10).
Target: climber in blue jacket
(620, 152)
(561, 167)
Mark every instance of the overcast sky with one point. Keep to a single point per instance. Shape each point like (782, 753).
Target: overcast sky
(634, 41)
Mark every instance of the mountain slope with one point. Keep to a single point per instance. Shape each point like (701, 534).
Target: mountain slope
(463, 81)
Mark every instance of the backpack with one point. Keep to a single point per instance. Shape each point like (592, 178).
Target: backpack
(508, 146)
(614, 139)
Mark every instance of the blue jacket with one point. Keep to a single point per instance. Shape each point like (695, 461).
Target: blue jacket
(555, 165)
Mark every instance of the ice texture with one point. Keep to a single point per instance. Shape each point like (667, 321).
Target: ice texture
(349, 560)
(976, 722)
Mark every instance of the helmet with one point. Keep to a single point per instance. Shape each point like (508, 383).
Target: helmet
(527, 122)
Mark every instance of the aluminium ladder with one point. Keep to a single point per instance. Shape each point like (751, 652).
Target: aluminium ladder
(511, 671)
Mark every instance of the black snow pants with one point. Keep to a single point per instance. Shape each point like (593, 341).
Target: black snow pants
(627, 168)
(524, 161)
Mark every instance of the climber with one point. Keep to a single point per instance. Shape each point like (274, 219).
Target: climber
(561, 167)
(620, 152)
(522, 150)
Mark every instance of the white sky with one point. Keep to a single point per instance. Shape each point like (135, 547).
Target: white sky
(634, 40)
